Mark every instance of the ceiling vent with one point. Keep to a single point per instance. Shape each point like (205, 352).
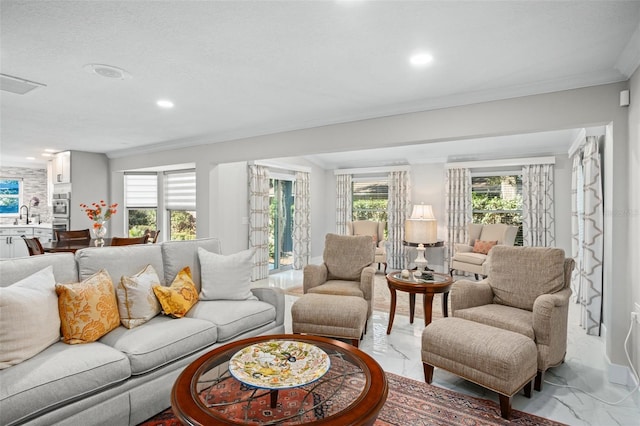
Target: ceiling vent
(107, 71)
(18, 85)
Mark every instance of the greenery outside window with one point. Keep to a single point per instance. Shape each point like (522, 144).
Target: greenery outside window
(141, 203)
(370, 198)
(497, 198)
(180, 201)
(10, 196)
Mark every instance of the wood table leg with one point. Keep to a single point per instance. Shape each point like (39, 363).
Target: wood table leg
(427, 305)
(392, 309)
(412, 307)
(274, 398)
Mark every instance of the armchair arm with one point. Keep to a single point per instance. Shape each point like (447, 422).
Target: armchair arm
(550, 317)
(382, 244)
(462, 248)
(468, 294)
(273, 296)
(366, 282)
(313, 276)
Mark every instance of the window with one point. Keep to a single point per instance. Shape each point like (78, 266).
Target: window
(281, 212)
(181, 204)
(498, 199)
(141, 201)
(10, 196)
(370, 199)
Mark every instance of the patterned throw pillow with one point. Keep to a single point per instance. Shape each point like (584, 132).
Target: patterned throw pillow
(483, 247)
(177, 299)
(137, 302)
(88, 310)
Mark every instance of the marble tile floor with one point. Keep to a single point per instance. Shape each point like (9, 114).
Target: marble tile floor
(585, 368)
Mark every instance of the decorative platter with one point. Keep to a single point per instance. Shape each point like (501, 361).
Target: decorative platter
(279, 364)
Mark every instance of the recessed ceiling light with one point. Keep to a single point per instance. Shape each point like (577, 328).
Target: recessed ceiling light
(47, 154)
(107, 71)
(164, 103)
(30, 158)
(50, 150)
(420, 59)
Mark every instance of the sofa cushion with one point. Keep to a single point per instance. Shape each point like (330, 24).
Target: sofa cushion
(178, 254)
(120, 260)
(88, 309)
(179, 297)
(64, 266)
(137, 303)
(518, 275)
(56, 376)
(29, 320)
(226, 277)
(469, 257)
(339, 287)
(234, 317)
(161, 341)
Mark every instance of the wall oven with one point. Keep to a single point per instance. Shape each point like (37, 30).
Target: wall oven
(60, 205)
(59, 224)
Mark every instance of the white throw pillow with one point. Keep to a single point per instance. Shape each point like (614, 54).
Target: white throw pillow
(226, 277)
(29, 320)
(137, 302)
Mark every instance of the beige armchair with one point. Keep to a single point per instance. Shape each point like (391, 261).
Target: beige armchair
(376, 231)
(471, 257)
(346, 269)
(527, 292)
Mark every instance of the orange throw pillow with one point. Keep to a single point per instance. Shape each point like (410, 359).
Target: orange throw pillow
(483, 247)
(88, 310)
(177, 299)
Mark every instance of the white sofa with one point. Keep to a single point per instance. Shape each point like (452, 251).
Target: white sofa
(127, 375)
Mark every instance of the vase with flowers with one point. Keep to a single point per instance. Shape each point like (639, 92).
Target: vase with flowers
(99, 213)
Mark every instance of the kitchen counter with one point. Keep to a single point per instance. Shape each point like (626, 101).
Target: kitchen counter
(31, 225)
(11, 243)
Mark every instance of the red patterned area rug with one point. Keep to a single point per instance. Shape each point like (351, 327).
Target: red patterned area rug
(411, 402)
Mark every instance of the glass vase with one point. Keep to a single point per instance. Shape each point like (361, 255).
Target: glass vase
(99, 232)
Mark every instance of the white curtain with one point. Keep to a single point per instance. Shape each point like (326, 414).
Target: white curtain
(577, 211)
(398, 210)
(301, 221)
(259, 220)
(458, 210)
(538, 222)
(589, 285)
(344, 202)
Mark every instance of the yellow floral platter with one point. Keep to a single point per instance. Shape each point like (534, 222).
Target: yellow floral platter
(279, 364)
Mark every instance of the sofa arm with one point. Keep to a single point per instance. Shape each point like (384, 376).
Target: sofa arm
(468, 294)
(313, 276)
(273, 296)
(550, 317)
(366, 282)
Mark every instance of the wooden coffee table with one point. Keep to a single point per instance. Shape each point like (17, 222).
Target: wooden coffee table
(441, 283)
(352, 391)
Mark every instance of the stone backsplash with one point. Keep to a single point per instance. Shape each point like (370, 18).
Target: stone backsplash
(35, 185)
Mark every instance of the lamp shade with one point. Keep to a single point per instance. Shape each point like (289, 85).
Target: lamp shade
(420, 211)
(421, 231)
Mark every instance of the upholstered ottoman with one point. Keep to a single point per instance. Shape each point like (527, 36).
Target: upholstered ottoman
(496, 359)
(328, 315)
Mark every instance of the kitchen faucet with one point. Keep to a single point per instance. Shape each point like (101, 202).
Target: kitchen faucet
(26, 207)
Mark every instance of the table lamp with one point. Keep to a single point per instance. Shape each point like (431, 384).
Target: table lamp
(421, 228)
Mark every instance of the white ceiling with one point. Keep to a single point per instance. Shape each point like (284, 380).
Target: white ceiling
(237, 69)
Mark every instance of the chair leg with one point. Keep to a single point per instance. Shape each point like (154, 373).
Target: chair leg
(505, 406)
(538, 384)
(477, 277)
(451, 272)
(428, 372)
(385, 268)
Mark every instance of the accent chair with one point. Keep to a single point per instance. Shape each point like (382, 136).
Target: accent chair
(472, 256)
(376, 231)
(346, 269)
(527, 292)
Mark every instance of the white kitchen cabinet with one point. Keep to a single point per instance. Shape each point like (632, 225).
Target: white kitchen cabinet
(62, 167)
(11, 242)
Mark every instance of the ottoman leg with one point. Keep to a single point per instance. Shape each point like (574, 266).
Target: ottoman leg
(505, 406)
(428, 372)
(538, 384)
(355, 342)
(527, 389)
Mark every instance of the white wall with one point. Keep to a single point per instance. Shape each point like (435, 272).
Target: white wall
(586, 107)
(633, 216)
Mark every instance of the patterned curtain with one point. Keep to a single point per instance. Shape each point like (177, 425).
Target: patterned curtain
(538, 222)
(259, 220)
(458, 210)
(577, 211)
(398, 210)
(590, 289)
(301, 221)
(344, 195)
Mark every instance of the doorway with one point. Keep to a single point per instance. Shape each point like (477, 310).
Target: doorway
(281, 205)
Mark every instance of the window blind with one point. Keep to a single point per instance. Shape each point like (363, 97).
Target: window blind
(141, 190)
(181, 190)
